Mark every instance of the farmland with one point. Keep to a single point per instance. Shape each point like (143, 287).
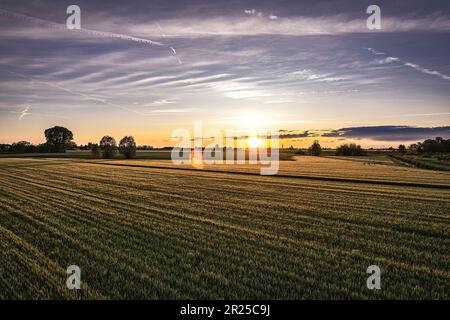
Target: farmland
(145, 229)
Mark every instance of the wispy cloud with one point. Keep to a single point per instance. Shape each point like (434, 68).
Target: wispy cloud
(293, 26)
(303, 63)
(86, 96)
(91, 32)
(185, 110)
(161, 102)
(311, 76)
(236, 25)
(434, 114)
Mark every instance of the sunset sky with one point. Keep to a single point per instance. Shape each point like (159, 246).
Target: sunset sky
(309, 68)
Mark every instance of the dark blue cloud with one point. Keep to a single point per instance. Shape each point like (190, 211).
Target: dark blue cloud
(391, 133)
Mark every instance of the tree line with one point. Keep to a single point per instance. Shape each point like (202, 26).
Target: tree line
(438, 145)
(346, 149)
(429, 146)
(59, 139)
(107, 148)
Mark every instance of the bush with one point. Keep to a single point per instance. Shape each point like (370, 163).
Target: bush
(22, 147)
(350, 150)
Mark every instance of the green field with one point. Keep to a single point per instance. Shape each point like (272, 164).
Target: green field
(145, 229)
(425, 161)
(87, 154)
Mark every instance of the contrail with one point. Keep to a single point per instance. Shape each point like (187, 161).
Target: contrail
(176, 56)
(88, 31)
(25, 112)
(63, 27)
(171, 48)
(414, 66)
(53, 85)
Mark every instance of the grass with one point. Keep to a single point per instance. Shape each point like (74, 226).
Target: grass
(87, 154)
(161, 233)
(424, 162)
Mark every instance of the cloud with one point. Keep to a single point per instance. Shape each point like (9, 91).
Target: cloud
(292, 26)
(231, 62)
(174, 110)
(97, 33)
(374, 51)
(63, 27)
(387, 60)
(253, 12)
(376, 133)
(72, 92)
(161, 102)
(229, 26)
(433, 114)
(391, 133)
(309, 75)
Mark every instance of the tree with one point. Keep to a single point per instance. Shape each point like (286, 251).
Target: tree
(95, 149)
(446, 144)
(108, 146)
(58, 138)
(402, 148)
(315, 149)
(127, 147)
(4, 147)
(434, 146)
(21, 147)
(415, 147)
(438, 145)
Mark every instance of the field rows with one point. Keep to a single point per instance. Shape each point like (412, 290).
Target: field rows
(322, 167)
(159, 233)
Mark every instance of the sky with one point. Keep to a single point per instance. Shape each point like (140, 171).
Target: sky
(311, 69)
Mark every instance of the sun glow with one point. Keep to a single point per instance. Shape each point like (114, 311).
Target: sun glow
(250, 121)
(254, 142)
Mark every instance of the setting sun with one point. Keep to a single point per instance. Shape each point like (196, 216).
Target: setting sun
(253, 142)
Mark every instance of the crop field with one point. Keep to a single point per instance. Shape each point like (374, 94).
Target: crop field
(146, 229)
(322, 167)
